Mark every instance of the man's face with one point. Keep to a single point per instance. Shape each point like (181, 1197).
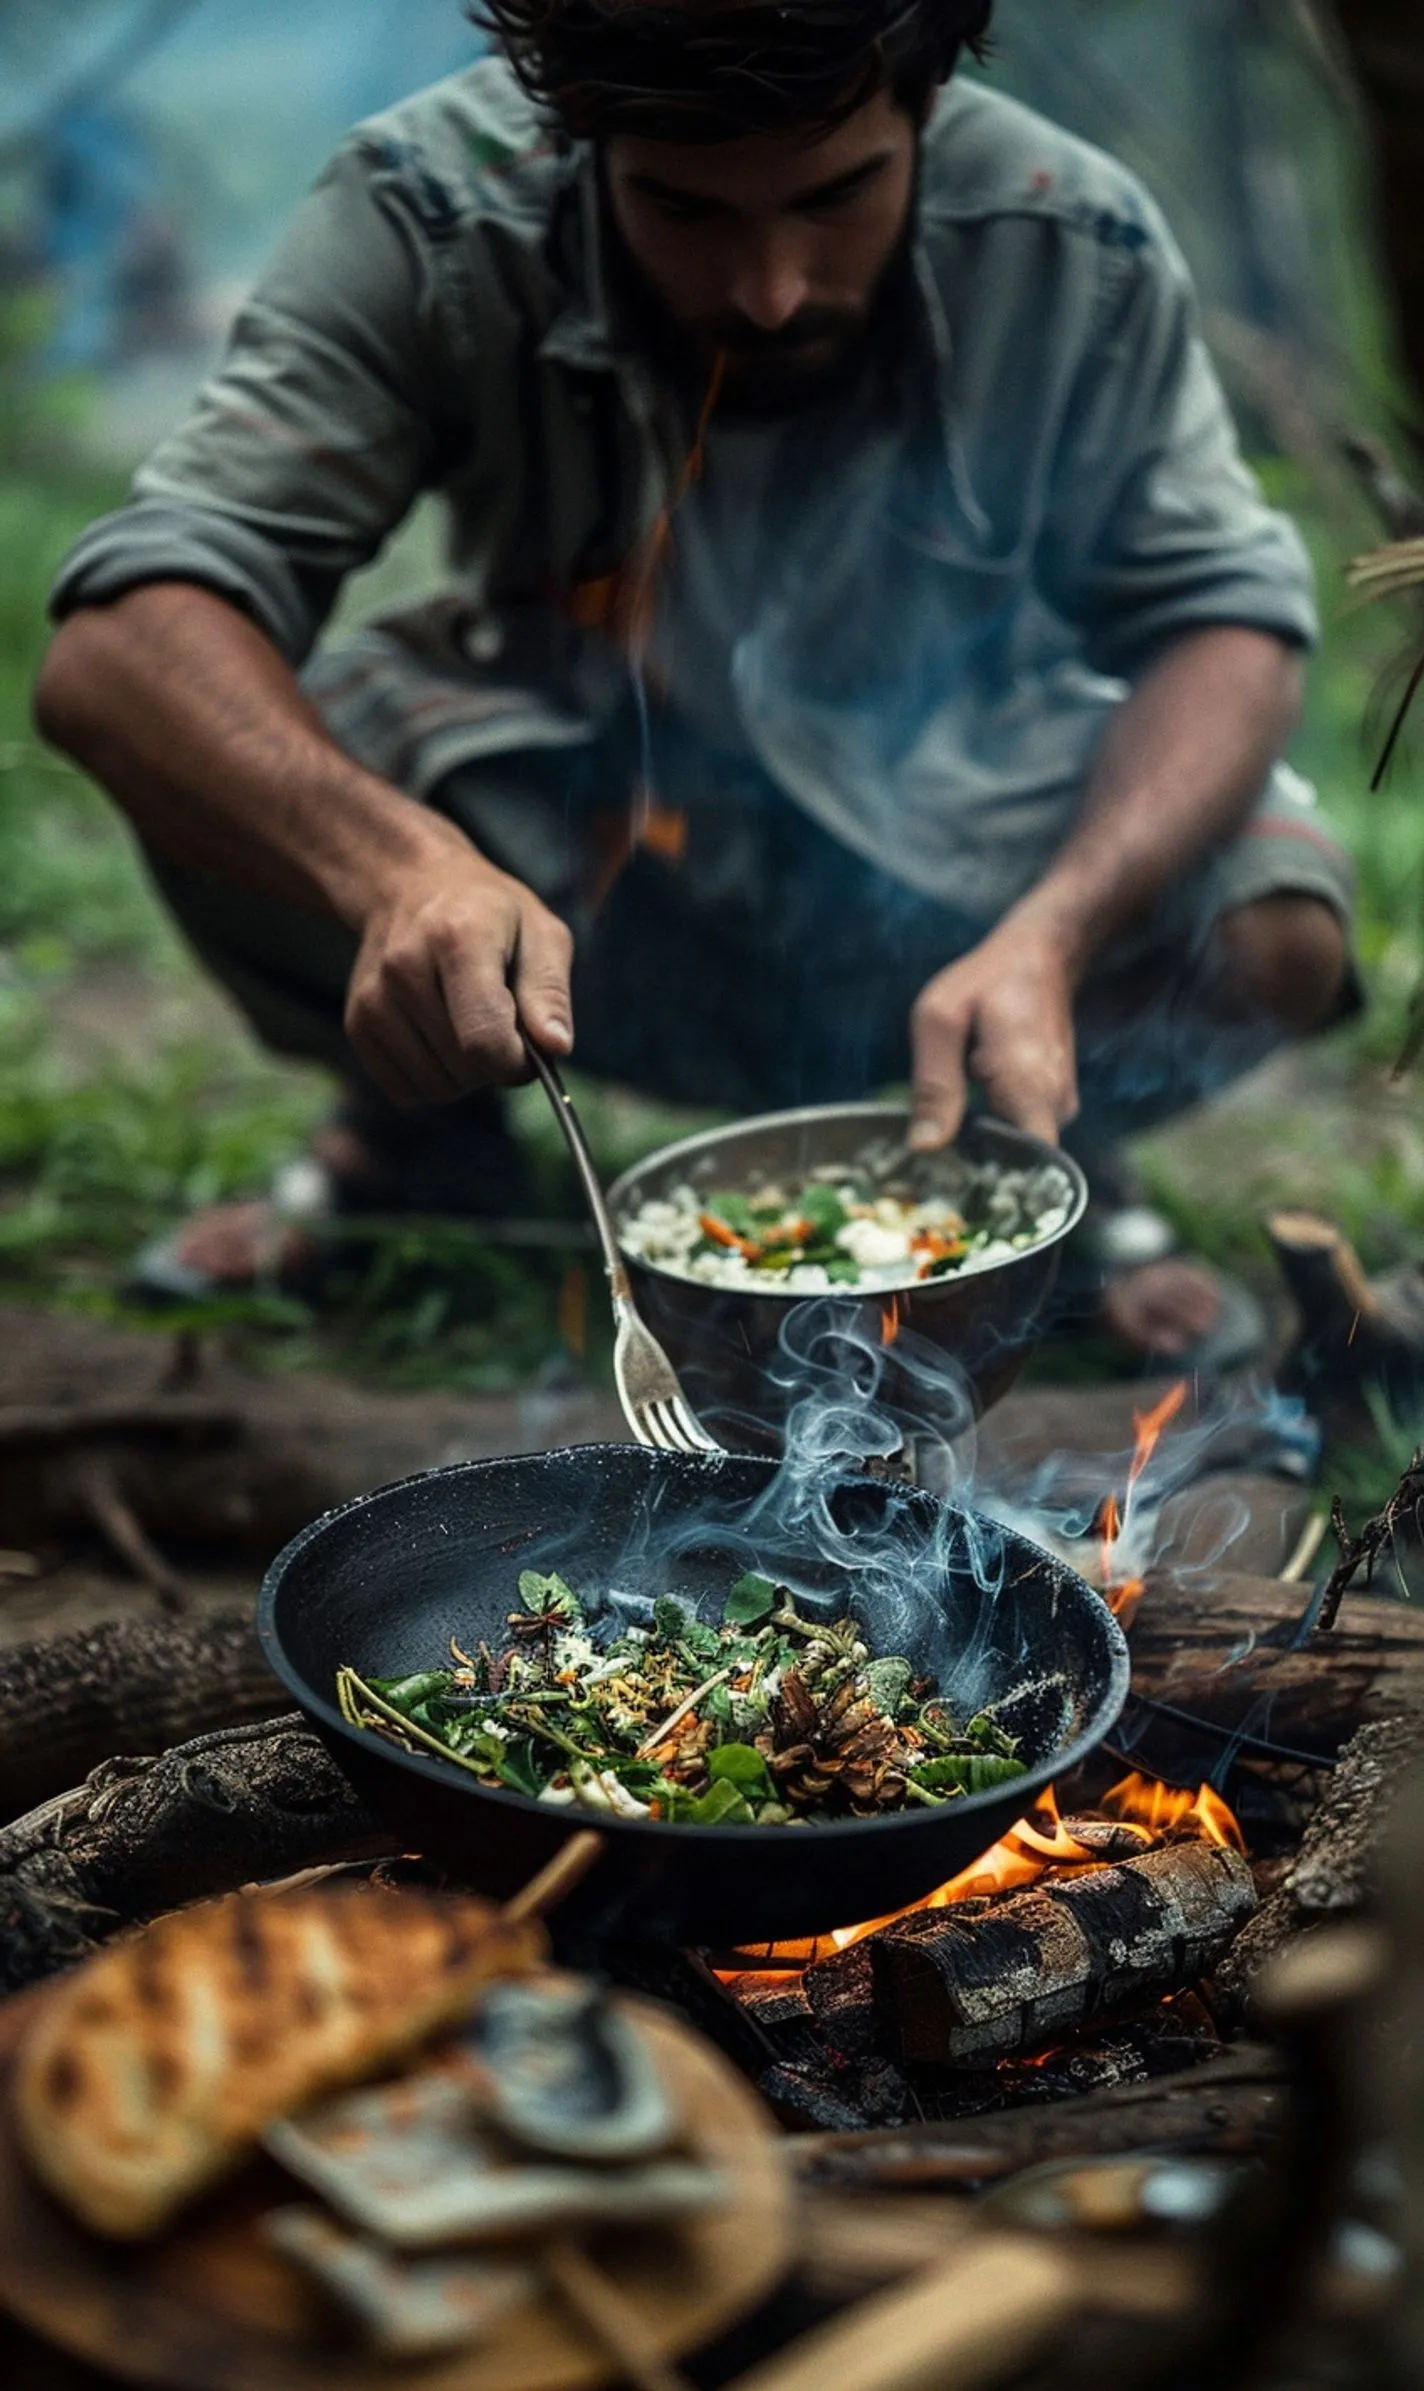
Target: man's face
(770, 248)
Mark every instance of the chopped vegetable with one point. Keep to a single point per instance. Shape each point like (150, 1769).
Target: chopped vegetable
(846, 1227)
(772, 1717)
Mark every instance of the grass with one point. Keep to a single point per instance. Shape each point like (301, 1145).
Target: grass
(108, 1135)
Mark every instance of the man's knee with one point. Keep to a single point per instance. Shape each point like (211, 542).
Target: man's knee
(1283, 958)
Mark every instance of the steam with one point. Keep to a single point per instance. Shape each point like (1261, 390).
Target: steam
(958, 1565)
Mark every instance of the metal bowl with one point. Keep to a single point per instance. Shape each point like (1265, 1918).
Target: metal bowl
(729, 1346)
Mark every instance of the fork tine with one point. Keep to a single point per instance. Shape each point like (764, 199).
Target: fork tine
(637, 1421)
(698, 1440)
(669, 1420)
(656, 1428)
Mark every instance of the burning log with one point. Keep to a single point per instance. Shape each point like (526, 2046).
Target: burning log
(1228, 1651)
(1039, 1964)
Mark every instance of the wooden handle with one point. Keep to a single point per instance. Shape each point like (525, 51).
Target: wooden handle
(568, 1867)
(977, 2318)
(612, 2318)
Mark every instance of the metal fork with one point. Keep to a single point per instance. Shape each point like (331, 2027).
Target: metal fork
(654, 1404)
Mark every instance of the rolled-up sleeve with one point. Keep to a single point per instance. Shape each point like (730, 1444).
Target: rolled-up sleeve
(311, 440)
(1156, 526)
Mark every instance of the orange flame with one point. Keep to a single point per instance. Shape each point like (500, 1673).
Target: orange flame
(662, 829)
(641, 603)
(1156, 1810)
(1033, 1846)
(890, 1320)
(1122, 1596)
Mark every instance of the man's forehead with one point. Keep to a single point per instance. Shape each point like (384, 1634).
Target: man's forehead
(763, 169)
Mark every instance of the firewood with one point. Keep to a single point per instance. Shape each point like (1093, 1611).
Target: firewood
(69, 1702)
(1356, 1334)
(1233, 2104)
(140, 1836)
(1045, 1962)
(198, 1449)
(1231, 1651)
(1334, 1872)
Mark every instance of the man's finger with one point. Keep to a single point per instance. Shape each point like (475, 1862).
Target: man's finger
(542, 963)
(1030, 1090)
(938, 1036)
(401, 1068)
(482, 1014)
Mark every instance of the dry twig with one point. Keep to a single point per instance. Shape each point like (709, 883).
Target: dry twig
(1362, 1551)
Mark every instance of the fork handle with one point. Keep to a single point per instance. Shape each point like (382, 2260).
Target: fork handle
(568, 1120)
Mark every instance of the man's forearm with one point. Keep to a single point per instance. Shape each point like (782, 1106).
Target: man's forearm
(181, 707)
(188, 715)
(1179, 769)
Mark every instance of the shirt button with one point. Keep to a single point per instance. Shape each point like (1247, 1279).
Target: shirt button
(484, 641)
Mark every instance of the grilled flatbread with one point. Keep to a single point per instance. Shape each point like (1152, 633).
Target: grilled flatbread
(151, 2070)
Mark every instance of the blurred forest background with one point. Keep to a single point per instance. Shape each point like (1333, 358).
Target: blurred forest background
(149, 152)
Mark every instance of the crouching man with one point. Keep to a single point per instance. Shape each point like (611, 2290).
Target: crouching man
(864, 654)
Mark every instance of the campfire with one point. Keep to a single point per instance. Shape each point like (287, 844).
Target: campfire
(1068, 1925)
(1076, 1923)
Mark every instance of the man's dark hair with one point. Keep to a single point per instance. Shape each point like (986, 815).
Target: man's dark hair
(709, 70)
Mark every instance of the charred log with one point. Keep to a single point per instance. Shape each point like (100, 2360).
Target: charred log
(140, 1836)
(1048, 1961)
(72, 1701)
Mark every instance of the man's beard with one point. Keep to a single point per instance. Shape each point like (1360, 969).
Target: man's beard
(775, 373)
(820, 351)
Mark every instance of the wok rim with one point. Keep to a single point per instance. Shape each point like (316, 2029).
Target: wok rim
(757, 1839)
(700, 1140)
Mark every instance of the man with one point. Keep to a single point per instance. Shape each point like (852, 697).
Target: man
(865, 656)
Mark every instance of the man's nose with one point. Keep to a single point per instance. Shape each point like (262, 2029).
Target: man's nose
(770, 282)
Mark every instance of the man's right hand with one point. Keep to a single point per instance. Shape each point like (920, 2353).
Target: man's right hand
(182, 707)
(454, 957)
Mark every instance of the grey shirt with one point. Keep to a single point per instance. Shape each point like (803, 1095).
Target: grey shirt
(1052, 490)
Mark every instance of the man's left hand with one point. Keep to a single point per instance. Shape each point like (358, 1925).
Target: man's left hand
(1002, 1017)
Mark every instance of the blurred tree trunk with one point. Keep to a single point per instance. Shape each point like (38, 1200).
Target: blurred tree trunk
(1385, 42)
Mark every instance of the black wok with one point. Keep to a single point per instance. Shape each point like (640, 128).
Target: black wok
(385, 1581)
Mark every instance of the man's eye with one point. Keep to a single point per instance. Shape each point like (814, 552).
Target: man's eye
(682, 211)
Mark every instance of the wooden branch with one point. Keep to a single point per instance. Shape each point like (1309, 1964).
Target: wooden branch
(1334, 1873)
(1227, 1650)
(1356, 1334)
(69, 1702)
(992, 2305)
(140, 1836)
(123, 1532)
(1233, 2104)
(179, 1415)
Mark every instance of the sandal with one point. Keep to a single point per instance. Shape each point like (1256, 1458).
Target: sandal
(1120, 1262)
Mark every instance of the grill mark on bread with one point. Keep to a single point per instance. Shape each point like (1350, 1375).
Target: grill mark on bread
(63, 2079)
(250, 1945)
(152, 1983)
(152, 2070)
